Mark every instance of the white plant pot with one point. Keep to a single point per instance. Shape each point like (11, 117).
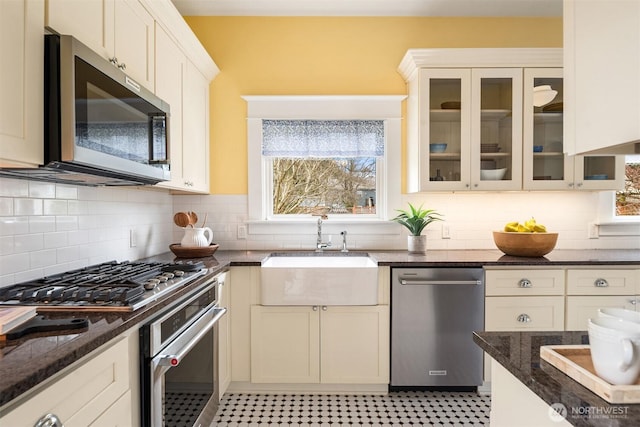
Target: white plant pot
(417, 244)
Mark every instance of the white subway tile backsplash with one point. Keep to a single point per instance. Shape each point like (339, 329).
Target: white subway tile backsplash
(28, 242)
(42, 224)
(51, 228)
(42, 190)
(6, 245)
(14, 188)
(67, 192)
(6, 206)
(56, 240)
(13, 225)
(55, 207)
(27, 206)
(65, 223)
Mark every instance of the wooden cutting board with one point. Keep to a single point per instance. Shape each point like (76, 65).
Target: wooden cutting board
(575, 361)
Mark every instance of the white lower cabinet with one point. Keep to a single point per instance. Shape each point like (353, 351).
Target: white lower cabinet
(530, 299)
(98, 390)
(524, 314)
(320, 344)
(224, 336)
(591, 289)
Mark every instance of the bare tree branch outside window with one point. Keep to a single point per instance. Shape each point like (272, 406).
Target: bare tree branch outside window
(628, 200)
(310, 185)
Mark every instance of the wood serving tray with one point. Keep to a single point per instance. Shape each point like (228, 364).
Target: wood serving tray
(200, 252)
(575, 361)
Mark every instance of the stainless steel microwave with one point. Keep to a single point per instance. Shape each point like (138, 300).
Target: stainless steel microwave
(101, 126)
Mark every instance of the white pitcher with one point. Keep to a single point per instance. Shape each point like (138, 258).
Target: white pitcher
(196, 237)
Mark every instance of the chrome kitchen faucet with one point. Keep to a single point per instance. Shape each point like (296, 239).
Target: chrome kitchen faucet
(320, 245)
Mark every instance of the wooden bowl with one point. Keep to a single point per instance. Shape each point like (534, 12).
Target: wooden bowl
(200, 252)
(525, 244)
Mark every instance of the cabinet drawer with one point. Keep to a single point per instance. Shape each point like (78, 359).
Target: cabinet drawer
(581, 308)
(524, 313)
(602, 282)
(82, 395)
(524, 282)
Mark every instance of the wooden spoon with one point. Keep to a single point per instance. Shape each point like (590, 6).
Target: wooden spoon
(193, 219)
(181, 219)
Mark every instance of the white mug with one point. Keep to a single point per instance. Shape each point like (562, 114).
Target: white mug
(615, 349)
(196, 237)
(620, 313)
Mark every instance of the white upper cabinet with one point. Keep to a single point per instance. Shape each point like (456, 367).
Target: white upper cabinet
(496, 129)
(170, 71)
(602, 75)
(479, 105)
(545, 164)
(472, 101)
(21, 85)
(121, 31)
(467, 130)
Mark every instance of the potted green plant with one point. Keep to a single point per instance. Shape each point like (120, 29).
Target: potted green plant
(416, 220)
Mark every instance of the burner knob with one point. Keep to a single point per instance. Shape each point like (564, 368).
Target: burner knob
(169, 275)
(179, 273)
(162, 278)
(151, 283)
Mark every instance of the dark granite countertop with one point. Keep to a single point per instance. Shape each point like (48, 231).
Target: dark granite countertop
(27, 362)
(519, 353)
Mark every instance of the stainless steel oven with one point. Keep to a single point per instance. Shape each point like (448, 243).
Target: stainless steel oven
(179, 358)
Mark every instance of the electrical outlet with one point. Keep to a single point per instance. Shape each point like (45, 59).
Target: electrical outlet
(242, 231)
(593, 231)
(133, 240)
(446, 231)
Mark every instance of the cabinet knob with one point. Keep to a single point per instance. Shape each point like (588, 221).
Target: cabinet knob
(523, 318)
(114, 61)
(579, 185)
(633, 301)
(525, 283)
(601, 283)
(324, 308)
(315, 308)
(122, 66)
(49, 420)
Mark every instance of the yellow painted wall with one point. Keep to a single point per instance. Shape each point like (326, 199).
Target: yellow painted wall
(328, 56)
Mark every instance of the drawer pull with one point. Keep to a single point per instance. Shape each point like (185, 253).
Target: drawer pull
(524, 318)
(49, 420)
(601, 283)
(525, 283)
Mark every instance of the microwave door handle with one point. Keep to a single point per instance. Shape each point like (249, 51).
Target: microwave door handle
(153, 118)
(163, 362)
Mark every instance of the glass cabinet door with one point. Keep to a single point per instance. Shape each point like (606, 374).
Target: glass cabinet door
(496, 129)
(545, 166)
(599, 172)
(444, 128)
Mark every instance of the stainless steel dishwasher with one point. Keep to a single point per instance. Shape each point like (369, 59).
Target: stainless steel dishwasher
(433, 314)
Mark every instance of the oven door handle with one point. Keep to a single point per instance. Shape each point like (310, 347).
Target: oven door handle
(164, 362)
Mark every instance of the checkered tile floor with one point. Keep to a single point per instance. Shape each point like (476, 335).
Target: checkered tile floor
(395, 409)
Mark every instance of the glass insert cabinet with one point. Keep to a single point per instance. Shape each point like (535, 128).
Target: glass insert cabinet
(477, 128)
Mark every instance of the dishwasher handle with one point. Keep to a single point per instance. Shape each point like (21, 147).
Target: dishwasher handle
(404, 281)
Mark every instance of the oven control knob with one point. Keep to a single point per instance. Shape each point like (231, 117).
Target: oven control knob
(169, 360)
(151, 283)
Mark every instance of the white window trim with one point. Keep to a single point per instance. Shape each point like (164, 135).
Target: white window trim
(611, 225)
(324, 107)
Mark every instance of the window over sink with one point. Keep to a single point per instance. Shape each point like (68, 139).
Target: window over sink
(317, 155)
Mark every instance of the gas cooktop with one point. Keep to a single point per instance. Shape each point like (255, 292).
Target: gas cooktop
(110, 286)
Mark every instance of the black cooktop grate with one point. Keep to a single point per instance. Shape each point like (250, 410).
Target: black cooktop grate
(111, 284)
